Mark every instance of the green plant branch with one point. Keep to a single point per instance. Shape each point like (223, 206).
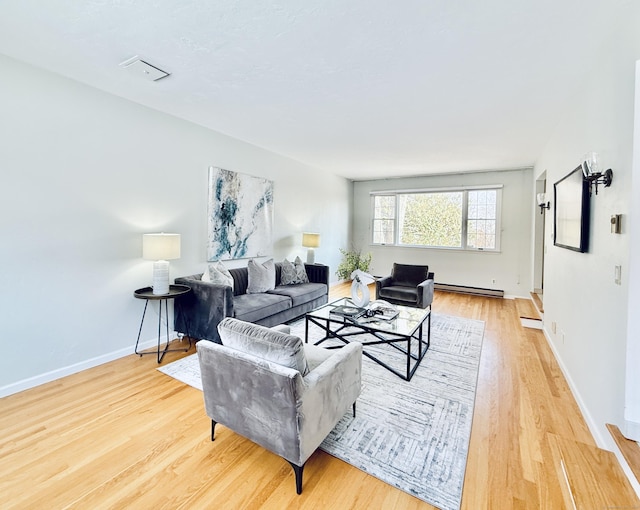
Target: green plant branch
(352, 260)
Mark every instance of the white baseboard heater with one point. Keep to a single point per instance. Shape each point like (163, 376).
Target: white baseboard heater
(474, 291)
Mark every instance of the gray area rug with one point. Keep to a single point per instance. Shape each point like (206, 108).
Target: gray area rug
(412, 435)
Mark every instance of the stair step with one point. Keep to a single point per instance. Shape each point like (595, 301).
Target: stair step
(537, 301)
(630, 449)
(589, 476)
(526, 309)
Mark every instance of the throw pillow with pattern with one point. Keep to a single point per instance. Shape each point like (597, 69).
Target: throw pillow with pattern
(293, 273)
(301, 271)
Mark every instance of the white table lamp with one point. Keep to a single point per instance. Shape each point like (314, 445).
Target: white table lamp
(160, 248)
(310, 240)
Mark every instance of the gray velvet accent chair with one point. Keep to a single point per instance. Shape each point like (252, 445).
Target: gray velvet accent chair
(408, 284)
(268, 386)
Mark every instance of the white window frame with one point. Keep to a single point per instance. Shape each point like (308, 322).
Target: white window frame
(465, 216)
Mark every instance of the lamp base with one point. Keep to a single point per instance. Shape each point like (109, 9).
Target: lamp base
(160, 277)
(311, 256)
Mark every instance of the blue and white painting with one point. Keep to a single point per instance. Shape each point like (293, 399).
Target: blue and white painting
(240, 215)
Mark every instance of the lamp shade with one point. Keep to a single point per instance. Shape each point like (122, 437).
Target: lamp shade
(591, 164)
(160, 246)
(310, 240)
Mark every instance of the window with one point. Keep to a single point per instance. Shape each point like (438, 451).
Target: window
(384, 217)
(482, 218)
(467, 219)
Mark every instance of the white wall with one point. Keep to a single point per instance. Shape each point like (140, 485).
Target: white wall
(580, 295)
(511, 267)
(83, 175)
(631, 426)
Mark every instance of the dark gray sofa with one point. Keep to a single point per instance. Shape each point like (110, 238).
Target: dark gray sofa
(199, 312)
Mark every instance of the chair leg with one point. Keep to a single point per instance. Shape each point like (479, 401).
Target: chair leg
(213, 429)
(298, 471)
(354, 409)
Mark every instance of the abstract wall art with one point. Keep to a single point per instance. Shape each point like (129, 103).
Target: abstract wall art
(240, 213)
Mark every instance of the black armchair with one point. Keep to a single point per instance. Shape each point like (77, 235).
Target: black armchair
(408, 285)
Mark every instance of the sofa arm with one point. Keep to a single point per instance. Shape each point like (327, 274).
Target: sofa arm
(199, 312)
(425, 293)
(382, 282)
(329, 392)
(252, 396)
(318, 273)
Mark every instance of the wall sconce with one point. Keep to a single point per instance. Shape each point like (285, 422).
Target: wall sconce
(592, 173)
(310, 240)
(542, 202)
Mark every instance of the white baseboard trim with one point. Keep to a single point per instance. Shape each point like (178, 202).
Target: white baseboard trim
(631, 430)
(515, 296)
(596, 431)
(37, 380)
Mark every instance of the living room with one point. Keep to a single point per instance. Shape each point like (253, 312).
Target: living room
(86, 173)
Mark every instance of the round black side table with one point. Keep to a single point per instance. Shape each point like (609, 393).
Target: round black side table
(147, 294)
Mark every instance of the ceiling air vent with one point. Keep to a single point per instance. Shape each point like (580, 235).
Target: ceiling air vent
(144, 69)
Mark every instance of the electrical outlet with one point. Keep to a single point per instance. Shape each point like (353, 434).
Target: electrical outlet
(554, 327)
(493, 280)
(562, 336)
(617, 278)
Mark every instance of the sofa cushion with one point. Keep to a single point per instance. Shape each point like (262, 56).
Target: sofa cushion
(262, 277)
(293, 273)
(301, 293)
(254, 307)
(399, 292)
(275, 346)
(316, 355)
(409, 275)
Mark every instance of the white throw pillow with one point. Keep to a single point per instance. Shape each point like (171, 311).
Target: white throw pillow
(262, 277)
(218, 274)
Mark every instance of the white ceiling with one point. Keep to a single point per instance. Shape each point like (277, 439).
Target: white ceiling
(361, 88)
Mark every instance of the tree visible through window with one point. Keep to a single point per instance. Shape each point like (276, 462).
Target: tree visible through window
(430, 219)
(463, 219)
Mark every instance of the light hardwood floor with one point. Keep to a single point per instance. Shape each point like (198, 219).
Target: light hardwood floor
(123, 435)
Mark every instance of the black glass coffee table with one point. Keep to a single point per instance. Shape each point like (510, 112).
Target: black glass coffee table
(403, 333)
